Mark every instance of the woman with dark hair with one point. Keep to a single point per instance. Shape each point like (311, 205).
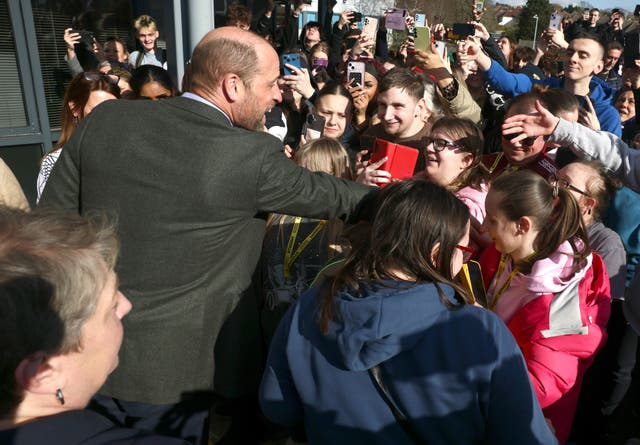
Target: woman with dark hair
(548, 287)
(453, 154)
(85, 92)
(626, 100)
(394, 324)
(152, 82)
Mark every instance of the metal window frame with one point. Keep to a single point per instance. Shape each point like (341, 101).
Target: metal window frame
(37, 131)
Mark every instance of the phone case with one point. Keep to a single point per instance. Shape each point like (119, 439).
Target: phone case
(396, 19)
(370, 27)
(555, 20)
(420, 20)
(355, 72)
(462, 30)
(440, 47)
(291, 59)
(422, 41)
(479, 6)
(402, 159)
(313, 127)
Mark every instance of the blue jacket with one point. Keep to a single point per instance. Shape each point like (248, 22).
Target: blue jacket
(456, 373)
(601, 94)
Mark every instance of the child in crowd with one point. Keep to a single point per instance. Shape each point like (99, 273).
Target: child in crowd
(547, 286)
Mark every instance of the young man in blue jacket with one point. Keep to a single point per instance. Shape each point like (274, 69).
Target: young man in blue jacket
(583, 60)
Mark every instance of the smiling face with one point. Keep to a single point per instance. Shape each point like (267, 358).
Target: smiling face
(260, 93)
(444, 167)
(333, 108)
(147, 37)
(583, 59)
(626, 105)
(523, 152)
(502, 231)
(400, 113)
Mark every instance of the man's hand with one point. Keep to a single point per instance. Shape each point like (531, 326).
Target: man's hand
(481, 31)
(588, 117)
(70, 39)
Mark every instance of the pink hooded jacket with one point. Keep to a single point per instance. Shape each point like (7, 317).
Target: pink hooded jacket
(559, 324)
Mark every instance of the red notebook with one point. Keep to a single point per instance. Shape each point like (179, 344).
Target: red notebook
(402, 159)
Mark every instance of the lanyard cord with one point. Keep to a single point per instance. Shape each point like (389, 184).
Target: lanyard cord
(496, 297)
(290, 256)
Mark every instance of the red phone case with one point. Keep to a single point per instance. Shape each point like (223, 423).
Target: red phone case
(401, 160)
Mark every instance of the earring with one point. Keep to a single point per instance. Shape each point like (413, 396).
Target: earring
(60, 396)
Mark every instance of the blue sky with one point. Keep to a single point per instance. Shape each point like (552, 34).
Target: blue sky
(629, 5)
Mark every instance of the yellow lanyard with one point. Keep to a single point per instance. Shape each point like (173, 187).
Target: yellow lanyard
(290, 256)
(503, 288)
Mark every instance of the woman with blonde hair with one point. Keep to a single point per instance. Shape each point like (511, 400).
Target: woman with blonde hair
(295, 249)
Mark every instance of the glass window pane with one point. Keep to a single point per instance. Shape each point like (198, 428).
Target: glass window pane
(51, 18)
(12, 106)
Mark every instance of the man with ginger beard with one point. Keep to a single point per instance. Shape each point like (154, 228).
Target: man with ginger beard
(190, 183)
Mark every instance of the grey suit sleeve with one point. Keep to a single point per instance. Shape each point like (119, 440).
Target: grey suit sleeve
(605, 147)
(284, 187)
(63, 186)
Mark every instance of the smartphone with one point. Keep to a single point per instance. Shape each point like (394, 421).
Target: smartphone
(555, 20)
(370, 28)
(463, 30)
(479, 5)
(357, 17)
(313, 127)
(636, 11)
(86, 38)
(401, 160)
(440, 48)
(291, 59)
(396, 19)
(355, 73)
(420, 20)
(280, 14)
(422, 41)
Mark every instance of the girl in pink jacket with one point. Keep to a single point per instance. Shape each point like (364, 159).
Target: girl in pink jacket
(547, 286)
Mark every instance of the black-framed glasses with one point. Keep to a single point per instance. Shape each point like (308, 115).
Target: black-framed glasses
(554, 180)
(440, 144)
(526, 142)
(467, 253)
(111, 78)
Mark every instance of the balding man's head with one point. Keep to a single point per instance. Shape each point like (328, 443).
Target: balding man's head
(222, 51)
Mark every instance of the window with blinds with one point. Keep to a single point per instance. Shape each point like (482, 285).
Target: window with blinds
(51, 18)
(12, 106)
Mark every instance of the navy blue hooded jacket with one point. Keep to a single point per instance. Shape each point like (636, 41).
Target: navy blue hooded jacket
(457, 373)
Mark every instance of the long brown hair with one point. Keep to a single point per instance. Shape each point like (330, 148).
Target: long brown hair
(409, 219)
(78, 92)
(553, 210)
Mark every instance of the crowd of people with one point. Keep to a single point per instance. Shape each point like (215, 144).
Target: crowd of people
(236, 260)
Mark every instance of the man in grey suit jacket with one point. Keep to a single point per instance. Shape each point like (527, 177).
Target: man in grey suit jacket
(189, 181)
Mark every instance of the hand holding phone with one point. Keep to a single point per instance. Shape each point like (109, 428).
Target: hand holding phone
(292, 59)
(355, 73)
(313, 127)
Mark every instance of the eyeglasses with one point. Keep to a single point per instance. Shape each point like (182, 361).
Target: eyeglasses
(440, 144)
(92, 77)
(526, 142)
(467, 253)
(554, 180)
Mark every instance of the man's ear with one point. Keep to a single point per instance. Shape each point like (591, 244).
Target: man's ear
(598, 68)
(39, 374)
(232, 87)
(421, 108)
